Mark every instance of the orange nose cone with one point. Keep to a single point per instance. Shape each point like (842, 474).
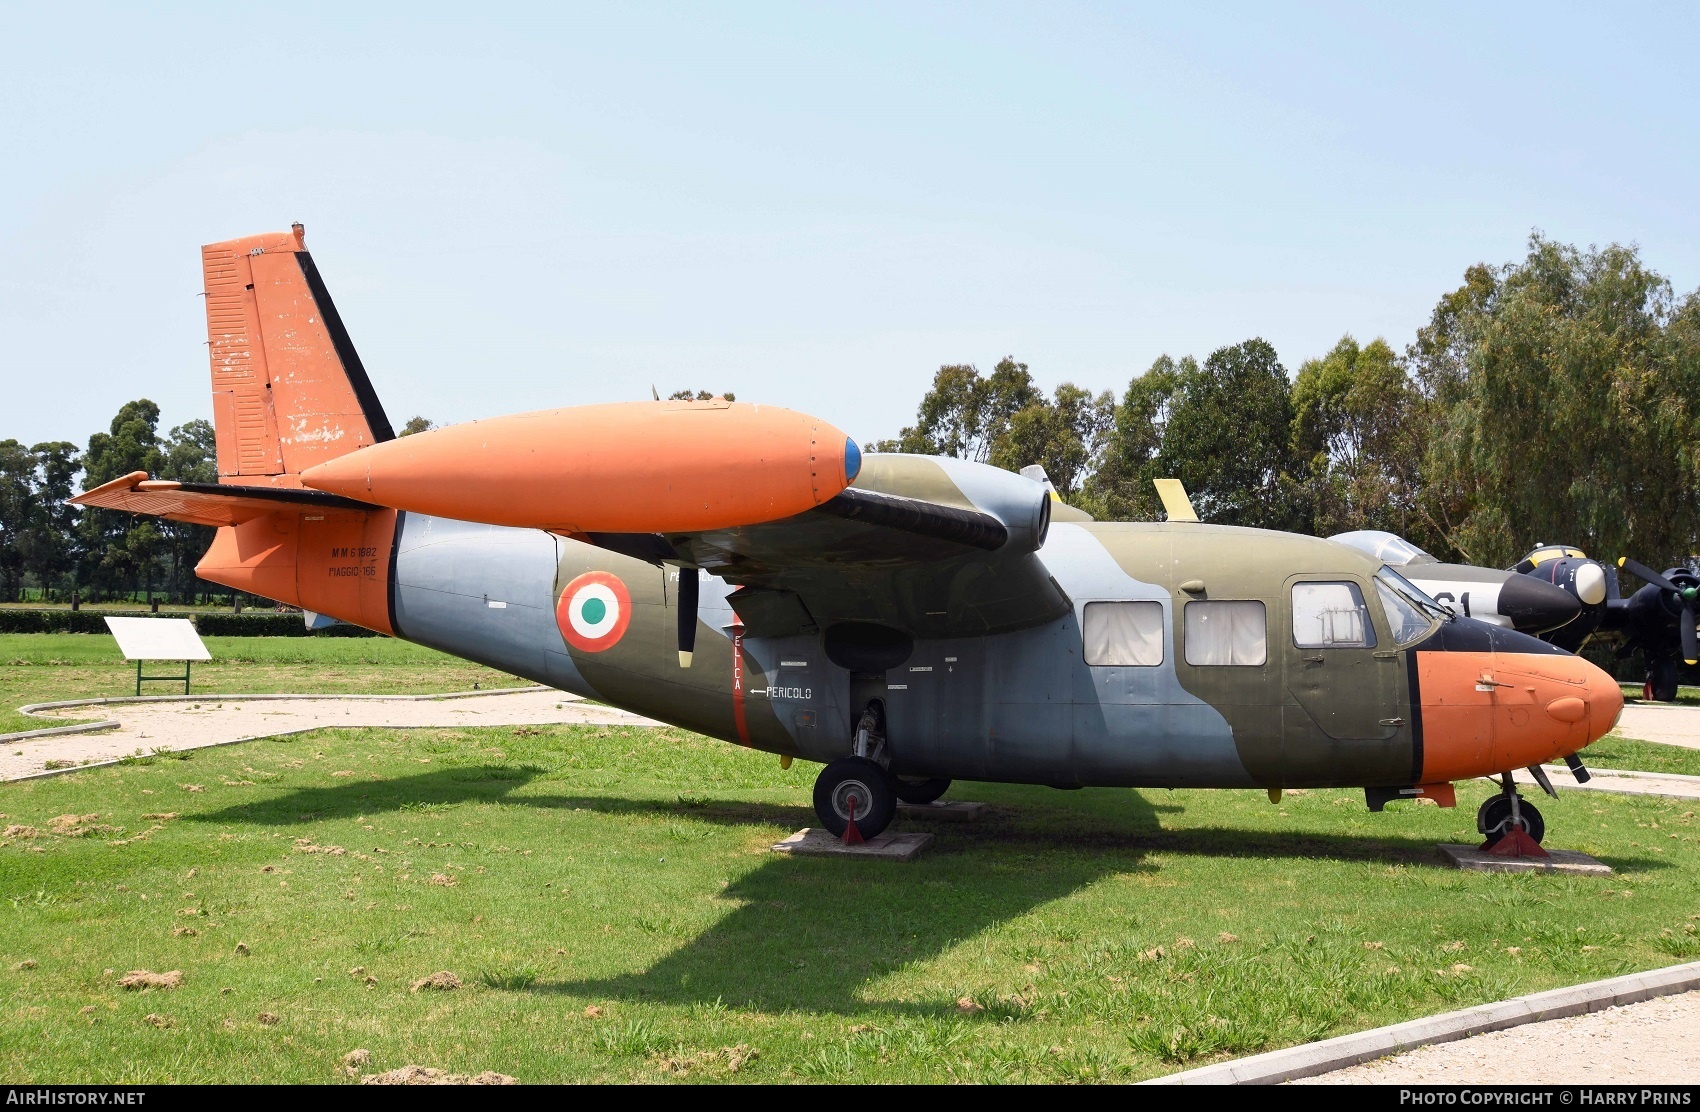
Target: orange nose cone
(637, 467)
(1488, 712)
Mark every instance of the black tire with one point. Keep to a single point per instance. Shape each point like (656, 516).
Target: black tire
(1661, 677)
(866, 782)
(920, 791)
(1493, 820)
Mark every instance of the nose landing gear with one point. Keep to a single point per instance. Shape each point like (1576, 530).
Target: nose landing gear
(1511, 824)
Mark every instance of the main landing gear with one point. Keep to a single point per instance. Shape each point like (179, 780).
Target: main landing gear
(1511, 824)
(856, 796)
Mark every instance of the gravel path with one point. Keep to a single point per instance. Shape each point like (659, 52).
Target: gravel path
(1662, 722)
(192, 723)
(1638, 1044)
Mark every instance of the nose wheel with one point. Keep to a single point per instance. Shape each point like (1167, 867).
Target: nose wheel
(1510, 816)
(855, 789)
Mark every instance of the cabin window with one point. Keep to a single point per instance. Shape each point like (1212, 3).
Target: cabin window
(1331, 616)
(1124, 633)
(1223, 633)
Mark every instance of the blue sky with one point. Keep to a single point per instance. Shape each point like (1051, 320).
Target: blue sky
(519, 207)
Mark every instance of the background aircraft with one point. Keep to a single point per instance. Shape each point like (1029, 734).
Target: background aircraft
(743, 571)
(1560, 595)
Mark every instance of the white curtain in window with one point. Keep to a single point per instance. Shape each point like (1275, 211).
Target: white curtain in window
(1330, 615)
(1124, 633)
(1219, 633)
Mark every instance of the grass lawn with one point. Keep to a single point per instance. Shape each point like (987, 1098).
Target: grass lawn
(41, 667)
(607, 901)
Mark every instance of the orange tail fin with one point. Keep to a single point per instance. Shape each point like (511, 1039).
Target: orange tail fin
(288, 389)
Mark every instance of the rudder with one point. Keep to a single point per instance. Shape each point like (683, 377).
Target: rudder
(289, 390)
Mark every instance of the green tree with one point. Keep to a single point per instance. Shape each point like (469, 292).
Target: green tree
(17, 512)
(416, 425)
(1358, 434)
(1065, 436)
(1566, 407)
(120, 549)
(1120, 488)
(188, 455)
(50, 535)
(964, 414)
(1222, 428)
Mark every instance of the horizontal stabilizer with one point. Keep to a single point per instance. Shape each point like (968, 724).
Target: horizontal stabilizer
(205, 503)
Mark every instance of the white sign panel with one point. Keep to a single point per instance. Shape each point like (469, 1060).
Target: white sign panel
(158, 639)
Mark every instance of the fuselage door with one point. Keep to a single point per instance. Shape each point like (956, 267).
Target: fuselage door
(1337, 667)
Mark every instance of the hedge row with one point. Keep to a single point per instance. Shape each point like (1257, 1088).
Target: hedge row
(208, 625)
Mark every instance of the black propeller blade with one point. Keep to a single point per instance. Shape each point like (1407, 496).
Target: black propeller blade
(1685, 595)
(689, 588)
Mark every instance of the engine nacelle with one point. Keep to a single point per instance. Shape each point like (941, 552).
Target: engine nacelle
(630, 467)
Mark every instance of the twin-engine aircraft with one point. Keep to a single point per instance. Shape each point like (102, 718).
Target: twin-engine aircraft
(744, 571)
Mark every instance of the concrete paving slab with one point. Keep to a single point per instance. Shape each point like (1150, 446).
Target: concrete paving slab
(1475, 859)
(943, 810)
(1669, 785)
(1313, 1059)
(1666, 723)
(815, 841)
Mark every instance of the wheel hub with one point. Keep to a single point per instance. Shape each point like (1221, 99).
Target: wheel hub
(852, 790)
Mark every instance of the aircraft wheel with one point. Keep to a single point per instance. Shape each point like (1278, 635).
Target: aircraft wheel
(920, 791)
(1493, 821)
(1661, 680)
(855, 782)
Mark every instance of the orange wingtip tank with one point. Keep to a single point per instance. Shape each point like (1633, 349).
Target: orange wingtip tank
(627, 467)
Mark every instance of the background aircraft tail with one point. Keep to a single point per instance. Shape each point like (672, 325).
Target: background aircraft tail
(288, 388)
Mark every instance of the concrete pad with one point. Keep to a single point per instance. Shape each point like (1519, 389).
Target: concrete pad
(1561, 861)
(943, 810)
(815, 841)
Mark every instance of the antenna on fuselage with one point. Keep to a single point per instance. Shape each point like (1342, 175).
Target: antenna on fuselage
(1175, 502)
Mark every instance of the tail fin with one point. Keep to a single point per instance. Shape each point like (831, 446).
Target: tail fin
(288, 389)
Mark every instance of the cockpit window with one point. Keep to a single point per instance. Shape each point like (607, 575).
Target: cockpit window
(1384, 546)
(1410, 612)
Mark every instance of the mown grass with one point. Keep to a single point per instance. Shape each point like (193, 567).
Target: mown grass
(607, 899)
(41, 667)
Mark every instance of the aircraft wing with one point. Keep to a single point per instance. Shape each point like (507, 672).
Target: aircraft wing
(205, 503)
(918, 544)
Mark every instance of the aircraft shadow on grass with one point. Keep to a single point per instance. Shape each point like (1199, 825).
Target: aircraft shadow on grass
(813, 933)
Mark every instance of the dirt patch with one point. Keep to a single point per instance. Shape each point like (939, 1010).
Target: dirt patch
(156, 1020)
(730, 1058)
(442, 880)
(137, 980)
(442, 981)
(19, 830)
(354, 1059)
(426, 1075)
(267, 1019)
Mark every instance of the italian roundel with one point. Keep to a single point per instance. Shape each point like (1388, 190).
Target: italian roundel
(594, 611)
